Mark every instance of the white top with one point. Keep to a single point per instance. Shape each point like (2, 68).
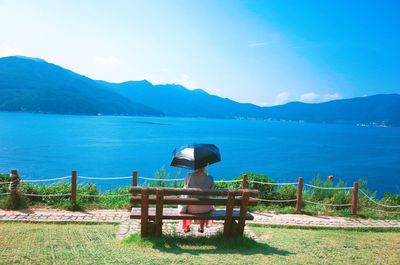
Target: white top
(200, 181)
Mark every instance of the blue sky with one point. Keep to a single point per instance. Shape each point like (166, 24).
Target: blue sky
(263, 52)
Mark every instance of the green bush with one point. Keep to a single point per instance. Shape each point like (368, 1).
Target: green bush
(287, 192)
(266, 191)
(4, 178)
(162, 173)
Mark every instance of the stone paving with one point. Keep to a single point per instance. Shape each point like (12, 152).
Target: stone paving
(129, 226)
(55, 215)
(172, 228)
(321, 221)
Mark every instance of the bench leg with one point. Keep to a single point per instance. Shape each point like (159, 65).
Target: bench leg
(145, 213)
(159, 212)
(228, 215)
(242, 213)
(151, 228)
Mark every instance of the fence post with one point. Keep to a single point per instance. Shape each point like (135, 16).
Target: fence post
(244, 181)
(134, 178)
(13, 188)
(299, 194)
(73, 186)
(354, 198)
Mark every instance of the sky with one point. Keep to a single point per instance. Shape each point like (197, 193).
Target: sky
(261, 52)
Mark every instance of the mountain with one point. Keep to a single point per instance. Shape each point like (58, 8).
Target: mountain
(383, 109)
(176, 100)
(33, 85)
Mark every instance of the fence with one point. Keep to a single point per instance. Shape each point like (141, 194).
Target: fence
(15, 181)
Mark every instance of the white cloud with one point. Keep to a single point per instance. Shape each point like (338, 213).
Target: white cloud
(6, 50)
(256, 44)
(310, 97)
(105, 61)
(281, 98)
(313, 97)
(331, 96)
(272, 39)
(186, 81)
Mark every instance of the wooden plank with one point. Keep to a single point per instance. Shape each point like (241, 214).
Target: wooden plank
(193, 201)
(299, 195)
(194, 191)
(244, 181)
(173, 214)
(228, 215)
(242, 213)
(144, 213)
(159, 211)
(134, 178)
(73, 186)
(354, 198)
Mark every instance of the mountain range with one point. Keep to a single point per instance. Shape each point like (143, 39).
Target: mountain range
(34, 85)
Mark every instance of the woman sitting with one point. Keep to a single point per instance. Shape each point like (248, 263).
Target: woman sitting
(198, 179)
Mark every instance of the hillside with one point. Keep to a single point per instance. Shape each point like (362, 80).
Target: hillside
(33, 85)
(380, 109)
(176, 100)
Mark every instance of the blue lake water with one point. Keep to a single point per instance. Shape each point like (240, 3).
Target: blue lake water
(48, 146)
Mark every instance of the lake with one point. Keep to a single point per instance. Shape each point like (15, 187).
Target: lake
(49, 146)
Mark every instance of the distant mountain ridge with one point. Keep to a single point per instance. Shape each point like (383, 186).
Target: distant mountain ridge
(33, 85)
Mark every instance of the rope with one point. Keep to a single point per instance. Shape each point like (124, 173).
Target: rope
(5, 183)
(377, 203)
(43, 180)
(372, 209)
(272, 183)
(328, 188)
(328, 204)
(104, 196)
(233, 180)
(160, 179)
(4, 193)
(111, 178)
(46, 195)
(264, 200)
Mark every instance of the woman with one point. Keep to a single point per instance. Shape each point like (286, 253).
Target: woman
(198, 179)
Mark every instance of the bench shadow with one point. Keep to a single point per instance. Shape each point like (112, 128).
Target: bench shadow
(217, 244)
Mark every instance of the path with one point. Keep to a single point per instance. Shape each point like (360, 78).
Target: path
(129, 226)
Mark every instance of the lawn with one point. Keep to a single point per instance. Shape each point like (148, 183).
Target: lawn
(29, 243)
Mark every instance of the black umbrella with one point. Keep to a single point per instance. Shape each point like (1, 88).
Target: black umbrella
(195, 156)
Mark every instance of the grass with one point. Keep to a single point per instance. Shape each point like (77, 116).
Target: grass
(28, 243)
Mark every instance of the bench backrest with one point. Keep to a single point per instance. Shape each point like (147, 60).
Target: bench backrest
(236, 196)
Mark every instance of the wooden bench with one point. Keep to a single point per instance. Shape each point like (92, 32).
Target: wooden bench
(152, 218)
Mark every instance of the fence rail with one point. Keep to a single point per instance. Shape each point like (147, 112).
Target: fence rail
(15, 180)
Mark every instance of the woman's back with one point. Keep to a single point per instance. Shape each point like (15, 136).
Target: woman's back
(199, 180)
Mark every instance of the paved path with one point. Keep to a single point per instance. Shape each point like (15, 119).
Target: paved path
(55, 215)
(322, 221)
(128, 226)
(118, 216)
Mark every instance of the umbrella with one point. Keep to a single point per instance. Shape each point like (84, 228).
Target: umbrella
(195, 156)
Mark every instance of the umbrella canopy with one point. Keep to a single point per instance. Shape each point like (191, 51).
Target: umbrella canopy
(195, 156)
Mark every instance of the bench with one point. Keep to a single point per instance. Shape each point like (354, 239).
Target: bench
(152, 218)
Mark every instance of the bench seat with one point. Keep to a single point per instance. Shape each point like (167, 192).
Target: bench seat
(173, 214)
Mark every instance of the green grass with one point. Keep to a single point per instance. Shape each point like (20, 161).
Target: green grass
(28, 243)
